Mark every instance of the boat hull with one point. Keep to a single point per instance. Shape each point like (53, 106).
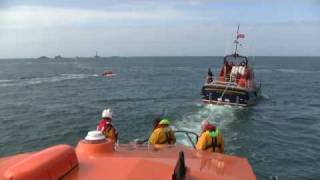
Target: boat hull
(229, 95)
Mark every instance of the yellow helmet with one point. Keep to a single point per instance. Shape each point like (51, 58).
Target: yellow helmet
(164, 121)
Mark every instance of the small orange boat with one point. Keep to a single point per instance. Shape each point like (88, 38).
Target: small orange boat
(95, 158)
(108, 73)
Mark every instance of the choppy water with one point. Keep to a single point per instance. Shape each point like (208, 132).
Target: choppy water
(46, 102)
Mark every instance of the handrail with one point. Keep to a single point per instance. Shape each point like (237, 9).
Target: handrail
(187, 133)
(221, 82)
(230, 84)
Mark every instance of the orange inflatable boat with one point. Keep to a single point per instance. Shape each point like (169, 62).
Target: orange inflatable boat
(108, 73)
(96, 159)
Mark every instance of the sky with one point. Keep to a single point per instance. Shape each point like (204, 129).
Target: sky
(33, 28)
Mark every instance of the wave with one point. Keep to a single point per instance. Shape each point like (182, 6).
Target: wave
(63, 63)
(62, 77)
(264, 96)
(32, 80)
(28, 77)
(221, 116)
(139, 99)
(5, 80)
(263, 70)
(296, 71)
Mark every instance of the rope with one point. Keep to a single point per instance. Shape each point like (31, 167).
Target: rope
(225, 90)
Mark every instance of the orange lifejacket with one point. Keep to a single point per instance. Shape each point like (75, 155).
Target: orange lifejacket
(242, 82)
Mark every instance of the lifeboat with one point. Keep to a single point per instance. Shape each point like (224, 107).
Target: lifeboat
(98, 158)
(235, 84)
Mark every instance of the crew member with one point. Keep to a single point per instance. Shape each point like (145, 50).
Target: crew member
(211, 139)
(209, 76)
(106, 127)
(162, 133)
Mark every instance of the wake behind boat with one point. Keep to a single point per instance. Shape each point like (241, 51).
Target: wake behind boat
(235, 84)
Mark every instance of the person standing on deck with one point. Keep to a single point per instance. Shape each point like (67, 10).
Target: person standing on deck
(211, 139)
(162, 133)
(209, 77)
(106, 127)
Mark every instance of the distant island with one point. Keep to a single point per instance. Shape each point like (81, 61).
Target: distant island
(43, 57)
(57, 57)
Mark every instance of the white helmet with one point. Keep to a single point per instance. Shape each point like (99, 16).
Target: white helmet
(204, 123)
(107, 113)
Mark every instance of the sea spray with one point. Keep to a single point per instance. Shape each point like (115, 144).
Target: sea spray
(221, 116)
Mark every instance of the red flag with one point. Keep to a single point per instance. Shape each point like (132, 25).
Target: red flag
(240, 36)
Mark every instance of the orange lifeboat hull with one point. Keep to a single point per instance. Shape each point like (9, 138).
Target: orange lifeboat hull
(103, 161)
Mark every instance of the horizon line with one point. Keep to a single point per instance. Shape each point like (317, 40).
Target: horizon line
(147, 56)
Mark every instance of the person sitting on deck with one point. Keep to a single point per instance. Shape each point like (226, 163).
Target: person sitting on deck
(106, 127)
(211, 139)
(162, 133)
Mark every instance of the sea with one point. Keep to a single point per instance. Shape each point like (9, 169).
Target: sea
(44, 102)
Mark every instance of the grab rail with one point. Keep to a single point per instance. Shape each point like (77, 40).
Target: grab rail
(187, 133)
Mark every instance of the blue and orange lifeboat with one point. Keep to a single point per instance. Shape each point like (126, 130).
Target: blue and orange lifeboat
(234, 85)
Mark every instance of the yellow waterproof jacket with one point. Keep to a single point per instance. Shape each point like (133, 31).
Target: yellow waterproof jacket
(111, 133)
(207, 143)
(162, 135)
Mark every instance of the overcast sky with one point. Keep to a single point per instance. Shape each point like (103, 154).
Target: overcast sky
(33, 28)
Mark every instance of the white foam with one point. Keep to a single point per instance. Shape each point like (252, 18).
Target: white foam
(33, 81)
(221, 116)
(296, 71)
(265, 96)
(5, 80)
(58, 78)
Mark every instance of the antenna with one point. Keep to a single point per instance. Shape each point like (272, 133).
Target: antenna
(236, 41)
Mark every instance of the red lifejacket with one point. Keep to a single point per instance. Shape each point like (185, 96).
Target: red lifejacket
(105, 127)
(103, 124)
(209, 128)
(247, 74)
(222, 71)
